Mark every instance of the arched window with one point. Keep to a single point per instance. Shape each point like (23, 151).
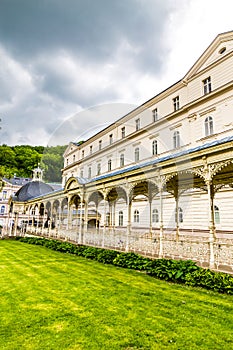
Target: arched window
(122, 160)
(2, 211)
(136, 154)
(109, 165)
(209, 126)
(136, 216)
(121, 218)
(176, 139)
(154, 147)
(107, 219)
(216, 214)
(155, 215)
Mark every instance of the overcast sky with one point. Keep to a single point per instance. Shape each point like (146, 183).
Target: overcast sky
(69, 67)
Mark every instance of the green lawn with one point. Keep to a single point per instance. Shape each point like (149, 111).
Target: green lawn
(50, 300)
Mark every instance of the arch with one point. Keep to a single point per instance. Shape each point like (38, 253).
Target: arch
(72, 182)
(75, 200)
(95, 197)
(116, 193)
(145, 188)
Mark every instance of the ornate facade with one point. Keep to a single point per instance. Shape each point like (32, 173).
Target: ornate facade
(159, 180)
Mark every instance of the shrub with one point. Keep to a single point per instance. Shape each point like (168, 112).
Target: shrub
(131, 261)
(217, 281)
(180, 271)
(107, 256)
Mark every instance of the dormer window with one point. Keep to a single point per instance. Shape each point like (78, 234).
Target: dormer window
(207, 86)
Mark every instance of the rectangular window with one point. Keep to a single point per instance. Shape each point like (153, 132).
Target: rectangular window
(4, 194)
(110, 139)
(83, 153)
(89, 172)
(137, 123)
(73, 158)
(81, 173)
(207, 85)
(100, 145)
(176, 103)
(98, 169)
(90, 149)
(155, 114)
(123, 132)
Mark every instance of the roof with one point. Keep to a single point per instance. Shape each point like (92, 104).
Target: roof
(31, 190)
(17, 181)
(159, 160)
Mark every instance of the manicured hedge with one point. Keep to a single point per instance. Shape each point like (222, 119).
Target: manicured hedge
(179, 271)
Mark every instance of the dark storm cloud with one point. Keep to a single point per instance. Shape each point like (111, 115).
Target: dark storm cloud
(60, 56)
(89, 29)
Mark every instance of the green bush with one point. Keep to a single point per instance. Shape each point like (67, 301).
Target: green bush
(107, 256)
(217, 281)
(172, 270)
(132, 261)
(179, 271)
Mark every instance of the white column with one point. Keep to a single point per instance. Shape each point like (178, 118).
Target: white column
(177, 217)
(128, 233)
(150, 213)
(104, 229)
(85, 220)
(80, 222)
(211, 223)
(161, 223)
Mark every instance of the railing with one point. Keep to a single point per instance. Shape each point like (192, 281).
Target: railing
(188, 246)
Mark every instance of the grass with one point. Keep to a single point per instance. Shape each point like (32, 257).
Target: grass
(50, 300)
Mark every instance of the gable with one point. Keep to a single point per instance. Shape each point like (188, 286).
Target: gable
(220, 47)
(70, 148)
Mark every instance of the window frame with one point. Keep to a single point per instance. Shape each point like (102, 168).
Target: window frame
(136, 154)
(155, 114)
(136, 216)
(209, 126)
(154, 147)
(207, 85)
(176, 139)
(137, 124)
(121, 218)
(176, 103)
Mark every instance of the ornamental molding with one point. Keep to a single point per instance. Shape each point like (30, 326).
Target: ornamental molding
(175, 126)
(207, 111)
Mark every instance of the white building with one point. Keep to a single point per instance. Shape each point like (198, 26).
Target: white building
(159, 176)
